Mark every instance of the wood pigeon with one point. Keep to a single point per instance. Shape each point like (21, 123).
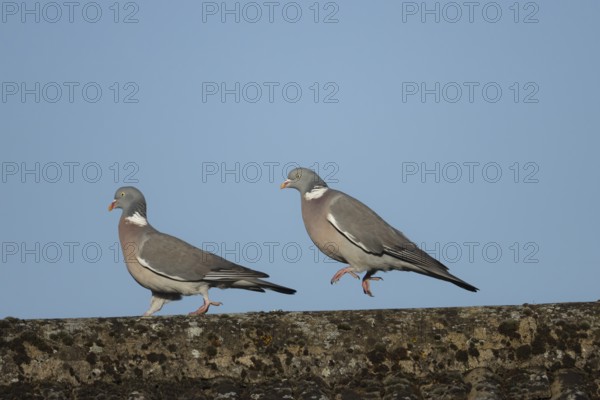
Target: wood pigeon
(172, 268)
(348, 231)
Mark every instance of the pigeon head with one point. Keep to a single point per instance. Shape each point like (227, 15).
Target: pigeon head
(130, 200)
(304, 180)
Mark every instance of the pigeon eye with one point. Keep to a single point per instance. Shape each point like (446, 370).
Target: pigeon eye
(297, 175)
(122, 194)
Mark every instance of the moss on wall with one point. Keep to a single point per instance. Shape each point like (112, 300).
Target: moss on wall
(525, 352)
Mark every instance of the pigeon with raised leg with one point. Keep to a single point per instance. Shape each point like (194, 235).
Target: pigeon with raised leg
(348, 231)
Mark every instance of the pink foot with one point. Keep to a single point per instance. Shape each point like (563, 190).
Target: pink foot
(365, 283)
(205, 307)
(341, 273)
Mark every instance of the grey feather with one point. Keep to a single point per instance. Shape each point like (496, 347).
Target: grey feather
(176, 259)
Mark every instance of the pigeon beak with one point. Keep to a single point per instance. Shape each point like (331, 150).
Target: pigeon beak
(285, 184)
(111, 206)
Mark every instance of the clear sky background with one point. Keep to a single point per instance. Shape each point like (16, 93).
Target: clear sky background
(477, 135)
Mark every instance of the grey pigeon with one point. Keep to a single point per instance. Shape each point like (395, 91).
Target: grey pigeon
(348, 231)
(172, 268)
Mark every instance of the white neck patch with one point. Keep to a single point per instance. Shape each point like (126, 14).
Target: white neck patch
(315, 193)
(137, 219)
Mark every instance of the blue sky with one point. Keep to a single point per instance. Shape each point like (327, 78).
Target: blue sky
(472, 130)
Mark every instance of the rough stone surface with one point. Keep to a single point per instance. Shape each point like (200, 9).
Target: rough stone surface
(547, 351)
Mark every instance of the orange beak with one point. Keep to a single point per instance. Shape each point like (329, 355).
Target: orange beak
(285, 184)
(111, 206)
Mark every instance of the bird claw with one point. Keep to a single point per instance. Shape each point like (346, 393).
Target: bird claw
(205, 307)
(341, 273)
(366, 286)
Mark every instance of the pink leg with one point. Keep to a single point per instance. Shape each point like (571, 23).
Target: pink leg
(342, 272)
(205, 306)
(365, 282)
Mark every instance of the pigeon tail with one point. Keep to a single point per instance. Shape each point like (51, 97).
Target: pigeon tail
(464, 285)
(448, 277)
(274, 287)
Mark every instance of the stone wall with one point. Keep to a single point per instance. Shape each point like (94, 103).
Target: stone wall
(549, 351)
